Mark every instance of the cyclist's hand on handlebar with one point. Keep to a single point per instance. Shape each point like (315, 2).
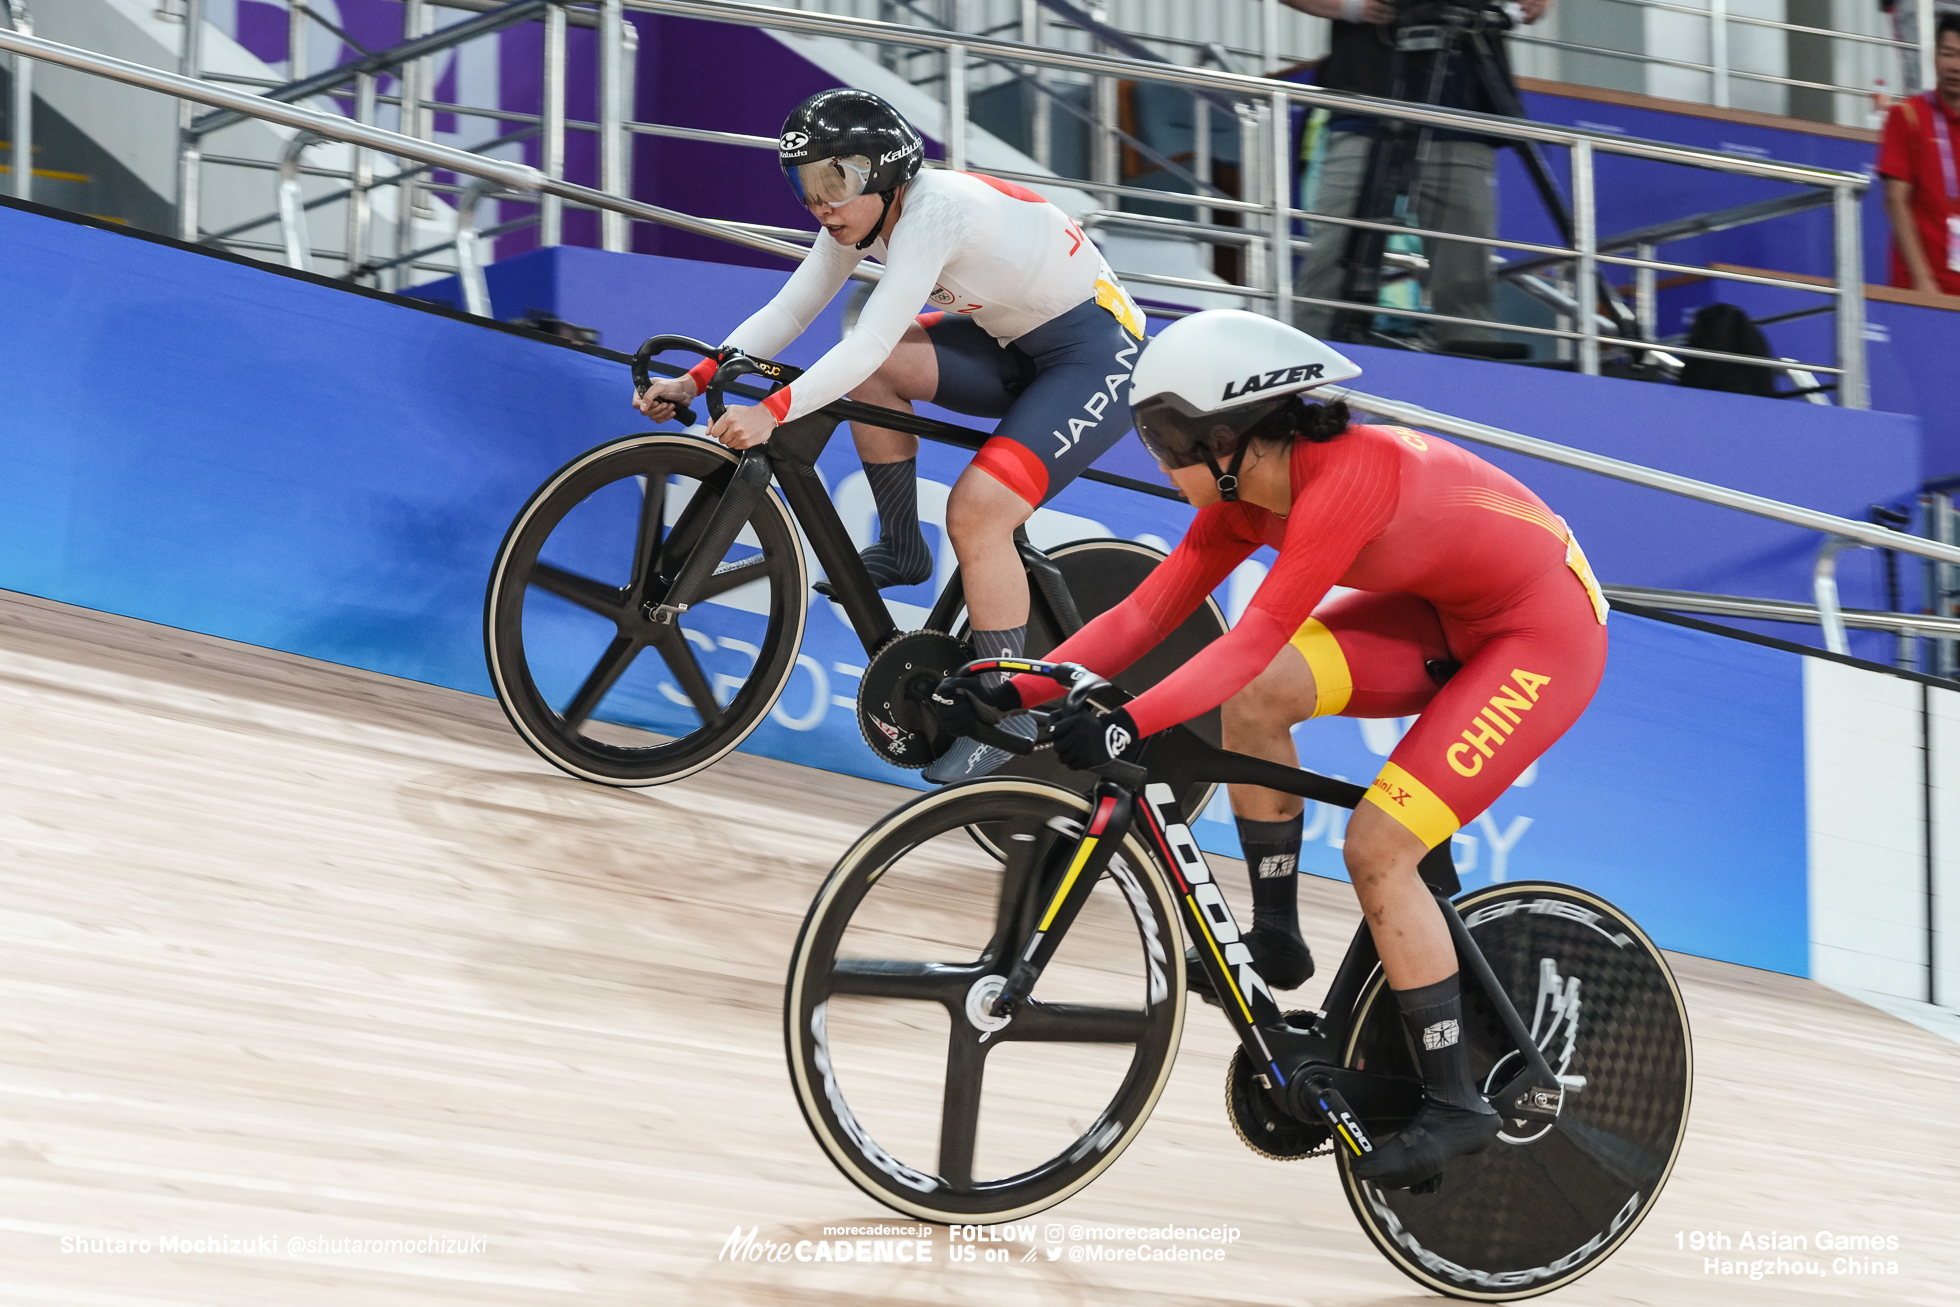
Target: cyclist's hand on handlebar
(659, 400)
(744, 428)
(958, 699)
(1086, 738)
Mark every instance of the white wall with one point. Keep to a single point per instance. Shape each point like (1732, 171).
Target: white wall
(1866, 801)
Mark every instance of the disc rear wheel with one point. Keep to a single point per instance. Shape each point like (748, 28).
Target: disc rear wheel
(1548, 1201)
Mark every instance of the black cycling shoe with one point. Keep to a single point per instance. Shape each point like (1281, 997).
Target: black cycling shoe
(1281, 958)
(1438, 1136)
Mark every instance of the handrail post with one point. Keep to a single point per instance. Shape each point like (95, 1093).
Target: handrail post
(1041, 117)
(551, 209)
(293, 233)
(1254, 272)
(296, 34)
(1853, 390)
(407, 194)
(23, 117)
(1585, 231)
(1823, 585)
(956, 108)
(1646, 302)
(1939, 576)
(1924, 19)
(613, 113)
(1718, 51)
(360, 182)
(1282, 255)
(469, 252)
(190, 151)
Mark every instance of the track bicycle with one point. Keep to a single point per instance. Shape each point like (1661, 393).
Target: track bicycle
(668, 542)
(930, 989)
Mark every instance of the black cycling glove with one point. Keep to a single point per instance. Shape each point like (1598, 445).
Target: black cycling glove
(1086, 739)
(957, 699)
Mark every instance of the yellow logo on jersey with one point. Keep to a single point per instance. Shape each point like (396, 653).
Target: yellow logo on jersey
(1121, 307)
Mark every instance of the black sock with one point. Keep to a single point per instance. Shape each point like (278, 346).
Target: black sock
(1434, 1014)
(1272, 863)
(1000, 644)
(900, 556)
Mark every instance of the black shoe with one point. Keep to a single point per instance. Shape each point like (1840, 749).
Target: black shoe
(1438, 1136)
(1281, 958)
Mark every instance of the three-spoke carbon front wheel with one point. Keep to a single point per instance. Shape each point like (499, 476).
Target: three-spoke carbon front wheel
(1548, 1201)
(586, 672)
(920, 1096)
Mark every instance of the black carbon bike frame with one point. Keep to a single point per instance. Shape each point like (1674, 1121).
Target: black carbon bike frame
(1299, 1067)
(789, 458)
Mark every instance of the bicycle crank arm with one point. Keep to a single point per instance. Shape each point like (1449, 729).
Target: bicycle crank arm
(738, 501)
(1525, 1097)
(1113, 807)
(1317, 1096)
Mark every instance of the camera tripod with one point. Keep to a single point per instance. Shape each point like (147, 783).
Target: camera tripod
(1429, 38)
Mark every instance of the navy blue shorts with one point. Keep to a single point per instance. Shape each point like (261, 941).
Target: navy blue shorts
(1061, 392)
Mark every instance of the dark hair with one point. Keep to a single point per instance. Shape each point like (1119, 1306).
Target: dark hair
(1949, 22)
(1297, 420)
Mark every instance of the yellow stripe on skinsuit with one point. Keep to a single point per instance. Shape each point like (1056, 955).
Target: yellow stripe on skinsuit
(1333, 684)
(1414, 804)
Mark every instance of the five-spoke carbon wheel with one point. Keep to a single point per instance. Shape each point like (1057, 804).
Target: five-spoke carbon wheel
(922, 1097)
(570, 612)
(1547, 1202)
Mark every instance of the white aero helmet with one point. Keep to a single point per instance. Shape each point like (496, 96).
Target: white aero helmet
(1208, 382)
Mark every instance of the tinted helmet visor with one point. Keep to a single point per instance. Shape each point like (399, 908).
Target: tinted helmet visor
(1177, 439)
(829, 181)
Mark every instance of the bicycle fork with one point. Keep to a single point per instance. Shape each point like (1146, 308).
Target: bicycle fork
(1111, 807)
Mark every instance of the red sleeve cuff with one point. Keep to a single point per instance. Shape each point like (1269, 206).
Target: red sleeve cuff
(778, 404)
(703, 372)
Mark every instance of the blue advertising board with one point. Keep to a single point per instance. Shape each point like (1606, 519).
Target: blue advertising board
(217, 446)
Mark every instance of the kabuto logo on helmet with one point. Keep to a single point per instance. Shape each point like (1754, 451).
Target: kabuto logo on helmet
(898, 154)
(1277, 377)
(793, 142)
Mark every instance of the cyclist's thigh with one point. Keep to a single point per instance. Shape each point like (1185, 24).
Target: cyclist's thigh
(1370, 653)
(1529, 674)
(977, 376)
(1075, 408)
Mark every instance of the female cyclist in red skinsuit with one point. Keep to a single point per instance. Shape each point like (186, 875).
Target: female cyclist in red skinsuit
(1472, 608)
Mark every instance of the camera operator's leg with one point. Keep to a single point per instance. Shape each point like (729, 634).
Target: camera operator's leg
(1341, 174)
(1459, 193)
(891, 461)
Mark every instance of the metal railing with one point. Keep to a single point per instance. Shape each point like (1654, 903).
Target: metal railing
(22, 110)
(1259, 222)
(530, 181)
(1263, 106)
(1912, 62)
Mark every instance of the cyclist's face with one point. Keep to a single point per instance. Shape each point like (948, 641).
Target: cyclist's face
(1195, 483)
(849, 222)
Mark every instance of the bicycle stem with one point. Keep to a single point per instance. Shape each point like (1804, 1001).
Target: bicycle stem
(1112, 807)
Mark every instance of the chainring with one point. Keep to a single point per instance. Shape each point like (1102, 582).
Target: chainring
(1261, 1126)
(892, 712)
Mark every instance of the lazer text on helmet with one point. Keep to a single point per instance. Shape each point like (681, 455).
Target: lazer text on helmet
(1277, 377)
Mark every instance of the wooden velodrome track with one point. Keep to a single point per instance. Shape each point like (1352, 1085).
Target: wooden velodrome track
(289, 951)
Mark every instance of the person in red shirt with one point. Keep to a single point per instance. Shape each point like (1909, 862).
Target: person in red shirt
(1470, 607)
(1918, 160)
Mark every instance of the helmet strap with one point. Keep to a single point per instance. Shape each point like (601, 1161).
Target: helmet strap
(883, 214)
(1228, 480)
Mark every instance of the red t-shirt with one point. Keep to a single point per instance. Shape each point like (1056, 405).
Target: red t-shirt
(1910, 152)
(1377, 508)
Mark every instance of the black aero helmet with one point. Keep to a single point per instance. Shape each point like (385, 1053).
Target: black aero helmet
(843, 143)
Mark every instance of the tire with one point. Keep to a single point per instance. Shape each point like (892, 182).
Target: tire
(1545, 1203)
(1063, 1097)
(1101, 574)
(566, 610)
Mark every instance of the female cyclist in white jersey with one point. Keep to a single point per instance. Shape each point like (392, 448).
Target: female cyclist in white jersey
(1026, 324)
